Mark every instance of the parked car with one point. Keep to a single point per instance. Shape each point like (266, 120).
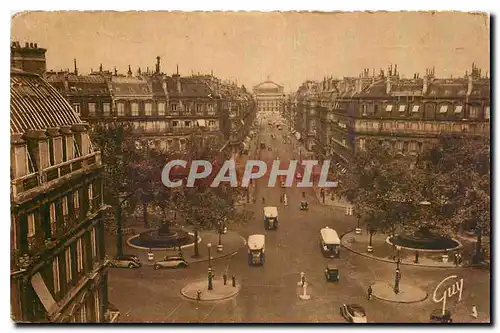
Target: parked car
(171, 262)
(353, 313)
(125, 261)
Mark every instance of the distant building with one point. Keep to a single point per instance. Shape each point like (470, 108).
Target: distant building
(269, 97)
(58, 270)
(338, 117)
(164, 110)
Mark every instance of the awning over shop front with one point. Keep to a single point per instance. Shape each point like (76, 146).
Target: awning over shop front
(43, 293)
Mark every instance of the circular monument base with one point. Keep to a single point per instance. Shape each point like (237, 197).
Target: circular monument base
(218, 293)
(407, 293)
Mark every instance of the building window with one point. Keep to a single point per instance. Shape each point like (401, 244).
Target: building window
(53, 219)
(388, 108)
(487, 112)
(147, 109)
(67, 257)
(135, 109)
(76, 107)
(93, 242)
(76, 203)
(91, 108)
(443, 109)
(97, 306)
(55, 274)
(57, 148)
(31, 225)
(121, 109)
(443, 127)
(362, 143)
(363, 109)
(458, 109)
(401, 125)
(399, 145)
(187, 123)
(428, 127)
(413, 146)
(105, 109)
(211, 123)
(474, 110)
(415, 108)
(161, 108)
(43, 147)
(175, 123)
(174, 107)
(79, 254)
(210, 109)
(402, 108)
(414, 126)
(199, 108)
(21, 160)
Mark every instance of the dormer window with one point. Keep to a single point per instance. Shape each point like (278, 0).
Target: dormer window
(443, 109)
(458, 109)
(388, 108)
(402, 108)
(415, 108)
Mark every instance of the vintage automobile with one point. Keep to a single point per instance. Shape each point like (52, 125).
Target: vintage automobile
(125, 261)
(304, 205)
(332, 273)
(437, 316)
(171, 262)
(353, 313)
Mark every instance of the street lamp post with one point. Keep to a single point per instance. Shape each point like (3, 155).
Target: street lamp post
(209, 246)
(398, 248)
(118, 217)
(196, 249)
(220, 248)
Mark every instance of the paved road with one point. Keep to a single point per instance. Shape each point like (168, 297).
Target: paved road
(270, 292)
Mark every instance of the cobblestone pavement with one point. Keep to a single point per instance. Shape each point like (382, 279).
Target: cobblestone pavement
(270, 293)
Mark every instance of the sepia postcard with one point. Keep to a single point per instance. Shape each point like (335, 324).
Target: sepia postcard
(250, 167)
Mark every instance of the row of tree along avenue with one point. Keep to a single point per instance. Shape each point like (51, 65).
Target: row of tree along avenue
(133, 170)
(443, 190)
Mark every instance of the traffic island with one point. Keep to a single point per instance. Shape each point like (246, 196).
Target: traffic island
(219, 291)
(407, 293)
(379, 249)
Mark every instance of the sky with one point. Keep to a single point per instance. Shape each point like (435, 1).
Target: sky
(251, 47)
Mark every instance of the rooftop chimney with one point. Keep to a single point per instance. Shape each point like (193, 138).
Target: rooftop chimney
(158, 65)
(28, 59)
(469, 85)
(76, 68)
(129, 71)
(100, 68)
(388, 85)
(425, 84)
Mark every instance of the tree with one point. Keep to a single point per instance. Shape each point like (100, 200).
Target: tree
(459, 170)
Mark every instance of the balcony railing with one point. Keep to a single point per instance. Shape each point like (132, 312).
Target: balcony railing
(49, 174)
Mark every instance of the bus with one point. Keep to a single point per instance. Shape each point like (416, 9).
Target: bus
(256, 249)
(330, 243)
(270, 218)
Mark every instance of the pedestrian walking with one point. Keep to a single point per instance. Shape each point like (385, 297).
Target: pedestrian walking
(474, 312)
(370, 292)
(263, 200)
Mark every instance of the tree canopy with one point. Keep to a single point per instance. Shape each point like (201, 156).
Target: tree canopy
(443, 189)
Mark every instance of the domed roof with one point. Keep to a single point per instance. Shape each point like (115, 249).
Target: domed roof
(268, 85)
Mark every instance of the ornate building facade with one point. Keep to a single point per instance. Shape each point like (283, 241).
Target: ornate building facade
(269, 97)
(58, 268)
(338, 116)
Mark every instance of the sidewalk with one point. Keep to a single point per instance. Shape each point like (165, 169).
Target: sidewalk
(340, 203)
(232, 242)
(383, 251)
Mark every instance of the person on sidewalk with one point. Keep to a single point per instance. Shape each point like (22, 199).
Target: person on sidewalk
(370, 293)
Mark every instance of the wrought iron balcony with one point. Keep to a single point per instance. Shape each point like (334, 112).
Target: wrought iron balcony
(34, 180)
